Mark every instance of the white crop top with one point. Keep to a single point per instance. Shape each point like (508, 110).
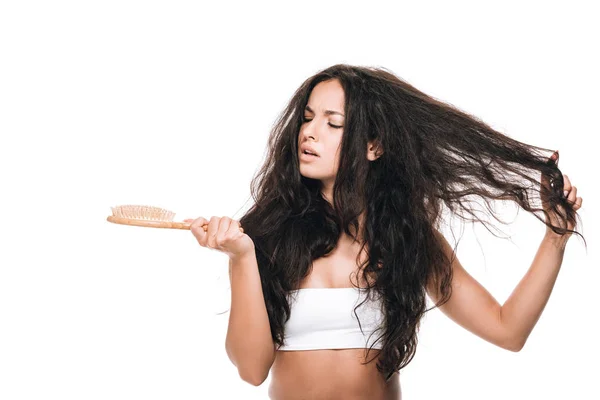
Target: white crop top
(323, 318)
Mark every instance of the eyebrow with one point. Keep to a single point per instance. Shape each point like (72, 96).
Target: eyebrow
(327, 112)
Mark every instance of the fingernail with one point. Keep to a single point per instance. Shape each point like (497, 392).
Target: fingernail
(566, 192)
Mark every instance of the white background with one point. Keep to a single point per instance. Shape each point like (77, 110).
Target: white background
(170, 104)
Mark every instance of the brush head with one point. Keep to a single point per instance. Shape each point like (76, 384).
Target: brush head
(146, 216)
(143, 213)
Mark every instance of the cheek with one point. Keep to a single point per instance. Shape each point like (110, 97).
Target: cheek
(333, 157)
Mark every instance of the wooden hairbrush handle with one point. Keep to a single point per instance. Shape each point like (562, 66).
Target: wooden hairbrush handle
(154, 224)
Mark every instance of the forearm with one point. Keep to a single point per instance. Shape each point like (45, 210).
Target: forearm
(249, 344)
(524, 306)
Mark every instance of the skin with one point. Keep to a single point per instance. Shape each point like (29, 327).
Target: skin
(323, 132)
(333, 374)
(307, 374)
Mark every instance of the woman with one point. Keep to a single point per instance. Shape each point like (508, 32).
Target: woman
(330, 274)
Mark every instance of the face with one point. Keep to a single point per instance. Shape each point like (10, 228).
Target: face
(322, 129)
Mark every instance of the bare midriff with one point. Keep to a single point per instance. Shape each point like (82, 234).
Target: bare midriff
(330, 375)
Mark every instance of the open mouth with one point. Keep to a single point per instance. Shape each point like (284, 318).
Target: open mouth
(307, 156)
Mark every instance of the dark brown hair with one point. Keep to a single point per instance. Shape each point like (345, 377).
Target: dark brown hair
(434, 156)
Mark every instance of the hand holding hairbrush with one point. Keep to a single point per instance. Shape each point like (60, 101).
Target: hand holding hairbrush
(149, 217)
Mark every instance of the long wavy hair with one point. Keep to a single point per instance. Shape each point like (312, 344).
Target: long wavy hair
(434, 156)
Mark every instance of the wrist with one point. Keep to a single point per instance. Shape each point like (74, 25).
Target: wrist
(242, 256)
(558, 241)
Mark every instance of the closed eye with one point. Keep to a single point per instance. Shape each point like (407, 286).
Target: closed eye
(333, 126)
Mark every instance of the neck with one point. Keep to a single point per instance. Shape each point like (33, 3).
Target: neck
(327, 192)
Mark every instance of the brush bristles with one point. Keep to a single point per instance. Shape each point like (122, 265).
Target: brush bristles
(143, 213)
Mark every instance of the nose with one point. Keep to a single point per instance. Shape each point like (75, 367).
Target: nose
(307, 131)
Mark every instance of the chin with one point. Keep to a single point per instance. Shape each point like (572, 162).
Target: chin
(309, 175)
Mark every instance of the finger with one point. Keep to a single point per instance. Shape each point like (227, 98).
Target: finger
(224, 224)
(196, 223)
(204, 225)
(211, 232)
(197, 231)
(578, 203)
(234, 227)
(235, 230)
(572, 194)
(566, 185)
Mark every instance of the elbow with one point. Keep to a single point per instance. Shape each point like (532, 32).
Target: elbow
(514, 348)
(251, 373)
(514, 345)
(252, 368)
(253, 378)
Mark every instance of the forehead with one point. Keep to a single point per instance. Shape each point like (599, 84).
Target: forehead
(327, 95)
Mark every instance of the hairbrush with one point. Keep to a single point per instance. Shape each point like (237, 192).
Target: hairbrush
(148, 216)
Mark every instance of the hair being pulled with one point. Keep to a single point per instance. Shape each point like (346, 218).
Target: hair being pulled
(435, 157)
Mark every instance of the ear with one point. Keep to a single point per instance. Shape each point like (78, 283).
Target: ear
(374, 151)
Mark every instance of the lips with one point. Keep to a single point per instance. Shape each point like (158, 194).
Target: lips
(307, 149)
(307, 157)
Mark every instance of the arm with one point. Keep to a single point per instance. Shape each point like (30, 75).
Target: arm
(524, 306)
(249, 344)
(509, 325)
